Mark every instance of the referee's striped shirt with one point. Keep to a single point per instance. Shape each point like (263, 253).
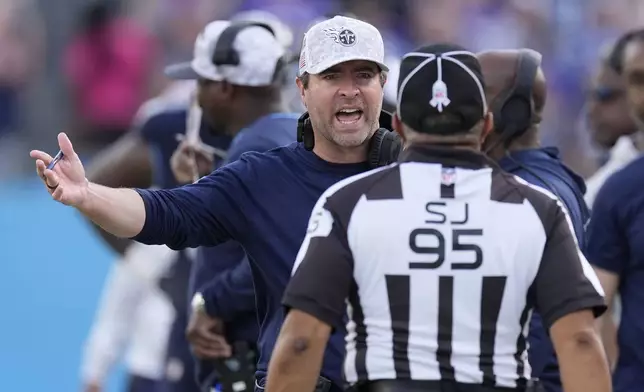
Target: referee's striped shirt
(439, 260)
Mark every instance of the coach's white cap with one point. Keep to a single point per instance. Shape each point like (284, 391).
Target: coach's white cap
(338, 40)
(259, 53)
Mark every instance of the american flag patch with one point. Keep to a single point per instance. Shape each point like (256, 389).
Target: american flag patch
(448, 176)
(302, 61)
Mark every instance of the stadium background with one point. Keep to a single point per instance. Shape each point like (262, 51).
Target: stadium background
(52, 266)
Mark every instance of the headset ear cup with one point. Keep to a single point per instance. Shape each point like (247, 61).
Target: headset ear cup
(375, 146)
(300, 126)
(308, 137)
(384, 148)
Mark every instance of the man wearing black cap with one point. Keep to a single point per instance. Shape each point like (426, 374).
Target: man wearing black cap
(440, 258)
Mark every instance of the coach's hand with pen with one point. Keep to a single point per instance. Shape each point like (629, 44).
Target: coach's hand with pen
(64, 175)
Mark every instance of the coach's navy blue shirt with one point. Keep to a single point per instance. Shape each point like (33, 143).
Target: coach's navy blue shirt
(231, 295)
(616, 244)
(542, 167)
(263, 201)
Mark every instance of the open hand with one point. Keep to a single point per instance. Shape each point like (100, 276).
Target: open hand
(66, 181)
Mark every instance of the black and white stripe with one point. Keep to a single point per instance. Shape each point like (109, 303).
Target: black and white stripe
(443, 255)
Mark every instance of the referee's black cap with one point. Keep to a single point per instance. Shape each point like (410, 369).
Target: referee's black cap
(441, 79)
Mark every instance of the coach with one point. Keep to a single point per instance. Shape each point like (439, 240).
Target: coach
(441, 258)
(263, 200)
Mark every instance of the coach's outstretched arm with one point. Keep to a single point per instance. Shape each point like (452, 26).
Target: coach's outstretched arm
(201, 214)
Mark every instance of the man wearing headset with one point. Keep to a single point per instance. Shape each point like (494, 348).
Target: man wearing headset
(516, 93)
(263, 200)
(244, 101)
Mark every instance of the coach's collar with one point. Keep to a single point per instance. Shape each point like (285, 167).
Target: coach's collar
(448, 156)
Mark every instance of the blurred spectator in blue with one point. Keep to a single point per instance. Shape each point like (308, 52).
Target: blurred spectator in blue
(615, 244)
(609, 121)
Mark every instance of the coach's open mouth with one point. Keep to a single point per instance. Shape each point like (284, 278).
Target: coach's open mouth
(349, 116)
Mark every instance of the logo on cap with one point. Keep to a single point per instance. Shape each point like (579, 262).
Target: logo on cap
(343, 37)
(439, 95)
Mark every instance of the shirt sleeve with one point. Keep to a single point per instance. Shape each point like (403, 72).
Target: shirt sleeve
(207, 213)
(565, 282)
(122, 294)
(231, 292)
(323, 270)
(606, 245)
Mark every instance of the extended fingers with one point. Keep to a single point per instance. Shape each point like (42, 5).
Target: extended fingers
(40, 169)
(43, 156)
(50, 178)
(65, 145)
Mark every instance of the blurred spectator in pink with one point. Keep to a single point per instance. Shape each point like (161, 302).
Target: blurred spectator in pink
(109, 67)
(20, 40)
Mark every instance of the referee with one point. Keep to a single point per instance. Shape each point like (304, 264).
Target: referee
(441, 259)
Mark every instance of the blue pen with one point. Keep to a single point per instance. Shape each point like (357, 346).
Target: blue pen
(54, 161)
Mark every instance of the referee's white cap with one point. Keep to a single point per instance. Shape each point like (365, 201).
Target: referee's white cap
(338, 40)
(256, 53)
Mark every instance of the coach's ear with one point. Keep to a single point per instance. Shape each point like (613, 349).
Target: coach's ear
(302, 84)
(397, 125)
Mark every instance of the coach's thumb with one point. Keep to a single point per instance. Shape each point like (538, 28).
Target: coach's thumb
(66, 145)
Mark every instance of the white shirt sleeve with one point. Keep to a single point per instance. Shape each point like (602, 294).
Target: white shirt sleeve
(128, 283)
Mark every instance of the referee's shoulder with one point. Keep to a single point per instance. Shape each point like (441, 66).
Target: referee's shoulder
(509, 188)
(386, 177)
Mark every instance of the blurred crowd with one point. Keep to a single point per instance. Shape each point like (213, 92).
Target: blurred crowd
(49, 80)
(87, 67)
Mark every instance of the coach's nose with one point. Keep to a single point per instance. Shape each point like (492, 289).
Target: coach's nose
(348, 87)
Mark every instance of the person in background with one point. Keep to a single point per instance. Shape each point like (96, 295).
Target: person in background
(284, 35)
(21, 40)
(107, 67)
(612, 128)
(609, 119)
(134, 316)
(516, 93)
(246, 103)
(22, 59)
(131, 291)
(615, 245)
(142, 158)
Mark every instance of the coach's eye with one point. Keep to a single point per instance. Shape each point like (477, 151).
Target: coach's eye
(330, 76)
(365, 75)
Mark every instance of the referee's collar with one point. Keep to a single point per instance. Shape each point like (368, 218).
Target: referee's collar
(449, 156)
